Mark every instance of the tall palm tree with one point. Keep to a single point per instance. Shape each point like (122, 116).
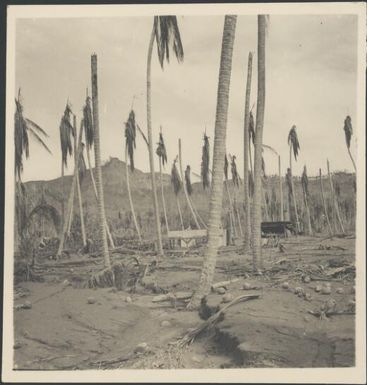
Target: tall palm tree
(162, 155)
(177, 184)
(334, 198)
(348, 130)
(66, 143)
(230, 203)
(166, 33)
(260, 110)
(89, 138)
(130, 145)
(246, 147)
(306, 195)
(236, 185)
(23, 128)
(293, 147)
(216, 196)
(97, 157)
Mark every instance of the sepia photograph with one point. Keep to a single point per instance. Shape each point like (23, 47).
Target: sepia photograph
(185, 190)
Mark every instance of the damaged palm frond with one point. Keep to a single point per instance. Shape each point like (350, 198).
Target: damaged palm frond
(293, 141)
(161, 150)
(167, 34)
(130, 137)
(205, 163)
(88, 123)
(348, 130)
(175, 178)
(235, 176)
(66, 135)
(188, 179)
(23, 127)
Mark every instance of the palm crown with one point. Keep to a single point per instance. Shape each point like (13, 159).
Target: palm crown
(293, 141)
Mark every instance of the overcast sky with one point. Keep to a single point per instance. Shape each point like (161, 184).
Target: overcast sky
(311, 78)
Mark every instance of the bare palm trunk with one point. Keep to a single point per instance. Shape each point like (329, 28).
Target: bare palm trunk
(231, 209)
(324, 203)
(71, 212)
(260, 110)
(130, 198)
(266, 210)
(184, 185)
(216, 196)
(333, 197)
(246, 146)
(162, 193)
(110, 239)
(82, 227)
(237, 214)
(151, 151)
(280, 191)
(305, 198)
(293, 190)
(97, 156)
(179, 212)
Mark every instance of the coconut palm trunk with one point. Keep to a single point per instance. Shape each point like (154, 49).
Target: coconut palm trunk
(293, 190)
(246, 147)
(333, 197)
(184, 185)
(231, 211)
(266, 209)
(162, 194)
(130, 198)
(180, 212)
(216, 196)
(97, 155)
(324, 203)
(150, 143)
(280, 190)
(260, 110)
(304, 182)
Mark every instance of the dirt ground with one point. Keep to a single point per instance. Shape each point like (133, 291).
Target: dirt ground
(68, 326)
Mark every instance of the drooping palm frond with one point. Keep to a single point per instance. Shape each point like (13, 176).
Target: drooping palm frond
(188, 180)
(23, 127)
(161, 150)
(251, 128)
(293, 141)
(225, 167)
(175, 178)
(167, 34)
(235, 176)
(304, 182)
(66, 134)
(130, 137)
(205, 162)
(348, 129)
(88, 123)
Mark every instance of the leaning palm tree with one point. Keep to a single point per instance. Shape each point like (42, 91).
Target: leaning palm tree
(166, 33)
(260, 110)
(89, 139)
(66, 143)
(348, 130)
(306, 196)
(97, 157)
(23, 128)
(293, 147)
(216, 196)
(130, 145)
(176, 183)
(246, 147)
(162, 155)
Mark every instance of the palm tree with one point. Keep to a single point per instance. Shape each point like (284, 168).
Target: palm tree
(162, 155)
(23, 128)
(205, 159)
(89, 138)
(97, 157)
(293, 147)
(334, 198)
(236, 184)
(130, 145)
(231, 213)
(216, 196)
(166, 33)
(324, 203)
(246, 149)
(66, 134)
(177, 184)
(306, 195)
(348, 130)
(260, 110)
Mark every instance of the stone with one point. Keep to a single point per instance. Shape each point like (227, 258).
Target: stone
(17, 345)
(141, 348)
(128, 299)
(340, 290)
(298, 290)
(308, 297)
(285, 285)
(197, 359)
(165, 323)
(221, 290)
(317, 288)
(326, 290)
(307, 279)
(247, 286)
(27, 305)
(91, 300)
(227, 298)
